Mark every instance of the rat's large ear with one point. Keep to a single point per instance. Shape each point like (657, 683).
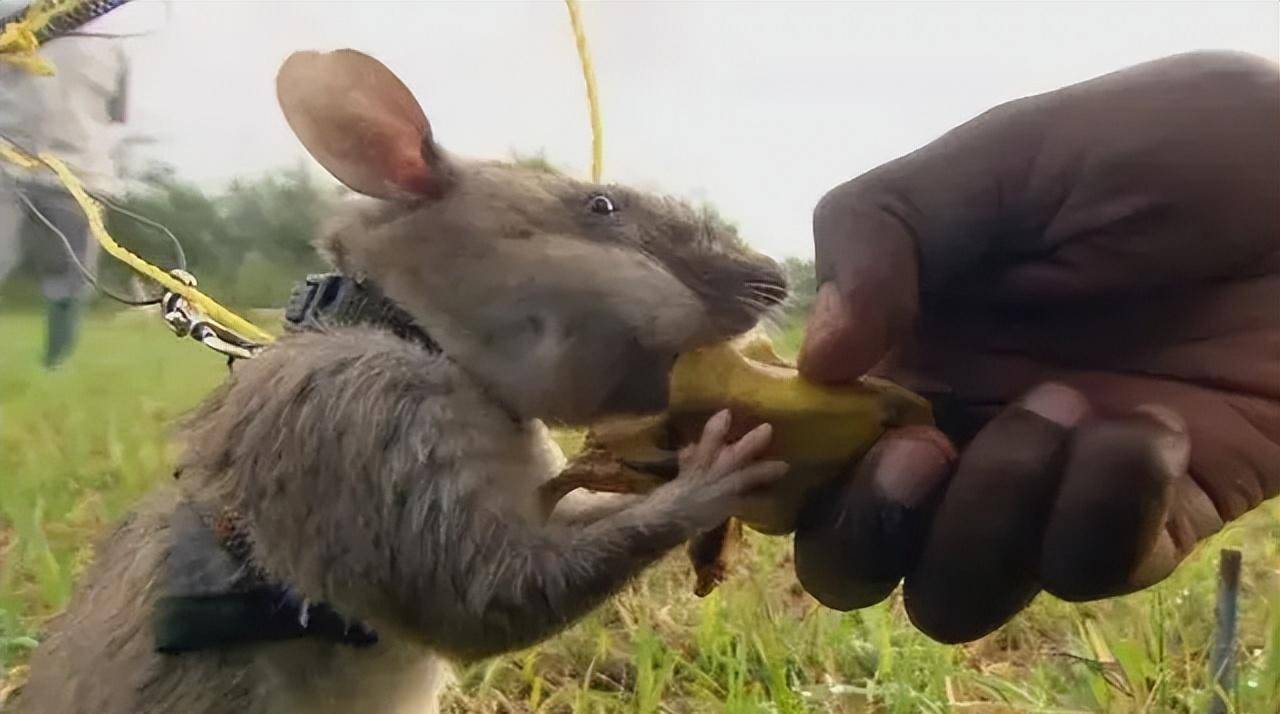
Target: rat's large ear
(362, 124)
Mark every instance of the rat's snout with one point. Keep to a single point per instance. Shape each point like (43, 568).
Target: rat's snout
(740, 294)
(768, 288)
(761, 282)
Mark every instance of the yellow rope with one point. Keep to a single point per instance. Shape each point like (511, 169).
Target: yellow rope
(18, 43)
(593, 103)
(93, 211)
(14, 156)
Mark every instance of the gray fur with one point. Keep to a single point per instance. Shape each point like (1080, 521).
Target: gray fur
(399, 485)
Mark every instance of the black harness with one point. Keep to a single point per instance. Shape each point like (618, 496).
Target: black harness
(335, 300)
(214, 596)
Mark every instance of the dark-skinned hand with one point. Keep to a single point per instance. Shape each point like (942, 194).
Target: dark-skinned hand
(1086, 283)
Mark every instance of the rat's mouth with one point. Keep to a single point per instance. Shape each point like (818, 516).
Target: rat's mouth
(643, 388)
(744, 308)
(756, 292)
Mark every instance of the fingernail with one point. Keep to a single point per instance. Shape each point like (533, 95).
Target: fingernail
(1166, 416)
(829, 351)
(825, 305)
(1174, 448)
(828, 306)
(765, 430)
(1058, 403)
(908, 470)
(719, 421)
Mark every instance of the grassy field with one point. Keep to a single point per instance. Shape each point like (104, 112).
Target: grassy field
(78, 446)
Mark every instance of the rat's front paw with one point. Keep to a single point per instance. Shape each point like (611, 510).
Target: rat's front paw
(716, 477)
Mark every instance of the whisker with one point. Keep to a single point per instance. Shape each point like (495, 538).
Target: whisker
(766, 311)
(766, 284)
(754, 303)
(767, 292)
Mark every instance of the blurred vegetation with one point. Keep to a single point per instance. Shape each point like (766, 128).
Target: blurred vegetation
(247, 243)
(803, 284)
(250, 242)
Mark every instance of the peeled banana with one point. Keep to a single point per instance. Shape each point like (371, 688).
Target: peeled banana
(820, 431)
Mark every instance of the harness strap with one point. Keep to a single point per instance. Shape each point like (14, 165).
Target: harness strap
(216, 596)
(334, 300)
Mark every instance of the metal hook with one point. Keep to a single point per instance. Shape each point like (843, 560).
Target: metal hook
(187, 321)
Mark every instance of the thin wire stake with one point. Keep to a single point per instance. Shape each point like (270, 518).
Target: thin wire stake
(75, 260)
(1222, 657)
(179, 254)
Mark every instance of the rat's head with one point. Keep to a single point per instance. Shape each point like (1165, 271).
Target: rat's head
(567, 300)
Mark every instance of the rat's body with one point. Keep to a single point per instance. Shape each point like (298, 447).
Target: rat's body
(436, 421)
(399, 484)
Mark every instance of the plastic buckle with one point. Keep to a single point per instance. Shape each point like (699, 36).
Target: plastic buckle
(318, 297)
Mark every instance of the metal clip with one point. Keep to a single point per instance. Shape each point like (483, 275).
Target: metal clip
(187, 321)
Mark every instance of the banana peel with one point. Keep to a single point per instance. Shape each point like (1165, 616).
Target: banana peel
(819, 430)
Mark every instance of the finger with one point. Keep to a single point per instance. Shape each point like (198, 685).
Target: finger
(685, 456)
(856, 539)
(911, 225)
(712, 441)
(665, 465)
(1192, 517)
(744, 450)
(842, 339)
(1111, 510)
(762, 474)
(978, 565)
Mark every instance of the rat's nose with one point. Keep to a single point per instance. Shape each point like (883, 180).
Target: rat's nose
(744, 290)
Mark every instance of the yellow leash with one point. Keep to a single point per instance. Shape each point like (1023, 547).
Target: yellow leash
(18, 42)
(593, 102)
(93, 211)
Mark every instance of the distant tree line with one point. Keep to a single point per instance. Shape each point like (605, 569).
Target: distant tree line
(249, 243)
(803, 285)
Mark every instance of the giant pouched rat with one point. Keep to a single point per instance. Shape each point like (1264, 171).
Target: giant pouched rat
(396, 485)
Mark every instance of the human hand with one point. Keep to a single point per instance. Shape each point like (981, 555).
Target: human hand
(1087, 285)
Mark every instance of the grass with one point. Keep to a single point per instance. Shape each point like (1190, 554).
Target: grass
(78, 446)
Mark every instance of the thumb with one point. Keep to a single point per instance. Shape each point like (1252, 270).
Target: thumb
(839, 346)
(869, 297)
(909, 228)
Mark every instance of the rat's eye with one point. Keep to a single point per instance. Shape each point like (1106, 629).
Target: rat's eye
(600, 203)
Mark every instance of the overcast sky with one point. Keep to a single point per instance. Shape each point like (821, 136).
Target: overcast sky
(759, 107)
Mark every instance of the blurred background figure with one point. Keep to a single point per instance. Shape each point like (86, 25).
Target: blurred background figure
(77, 115)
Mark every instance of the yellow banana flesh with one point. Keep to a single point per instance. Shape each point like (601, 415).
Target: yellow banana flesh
(819, 430)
